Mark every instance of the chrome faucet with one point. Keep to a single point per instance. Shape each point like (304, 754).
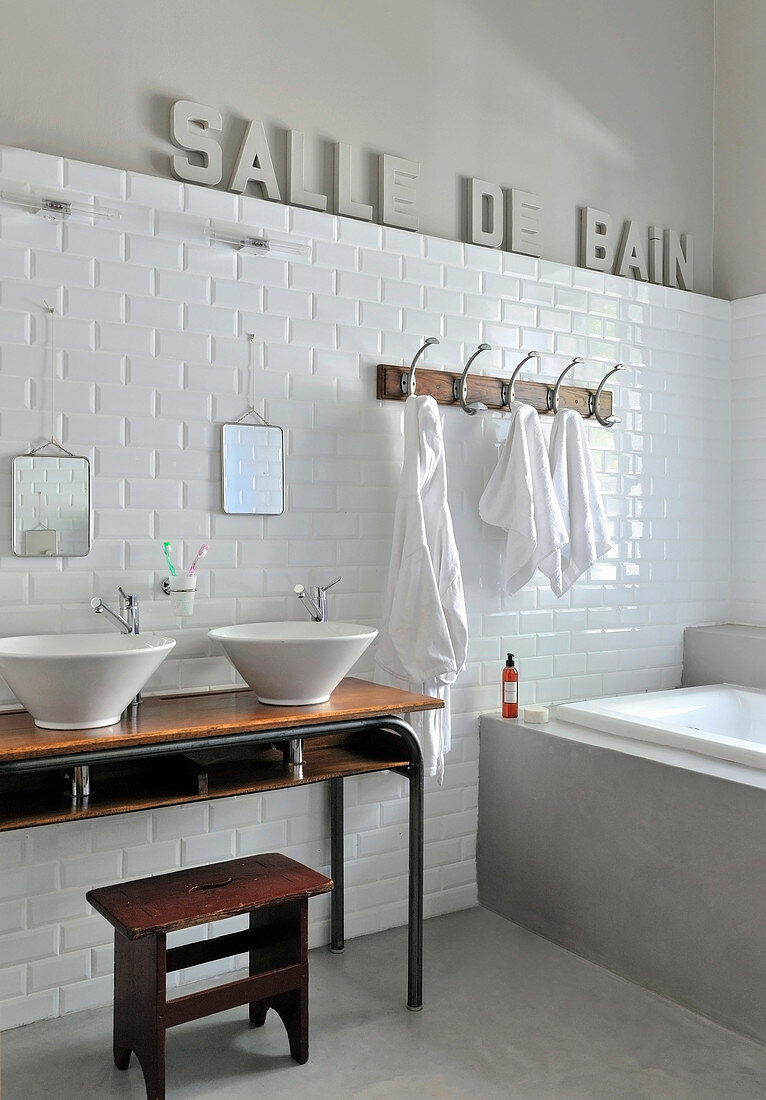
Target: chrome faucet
(128, 621)
(316, 603)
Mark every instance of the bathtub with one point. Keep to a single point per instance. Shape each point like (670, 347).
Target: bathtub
(722, 721)
(632, 831)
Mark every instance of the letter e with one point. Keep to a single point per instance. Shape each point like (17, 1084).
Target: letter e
(524, 222)
(396, 197)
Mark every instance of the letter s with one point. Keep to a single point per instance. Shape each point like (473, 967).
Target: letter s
(192, 127)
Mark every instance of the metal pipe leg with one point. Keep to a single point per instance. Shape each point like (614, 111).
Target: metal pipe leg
(295, 756)
(337, 940)
(415, 921)
(79, 783)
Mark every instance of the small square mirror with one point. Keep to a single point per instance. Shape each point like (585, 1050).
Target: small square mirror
(51, 506)
(252, 469)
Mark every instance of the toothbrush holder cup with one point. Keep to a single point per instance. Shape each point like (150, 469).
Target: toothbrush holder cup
(181, 590)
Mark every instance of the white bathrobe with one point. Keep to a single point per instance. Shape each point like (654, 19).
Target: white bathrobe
(424, 634)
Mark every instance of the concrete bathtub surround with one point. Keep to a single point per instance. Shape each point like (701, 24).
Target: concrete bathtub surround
(648, 861)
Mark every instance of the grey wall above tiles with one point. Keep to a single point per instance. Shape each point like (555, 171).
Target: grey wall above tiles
(607, 104)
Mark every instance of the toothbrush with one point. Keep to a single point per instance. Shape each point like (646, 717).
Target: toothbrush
(200, 554)
(166, 548)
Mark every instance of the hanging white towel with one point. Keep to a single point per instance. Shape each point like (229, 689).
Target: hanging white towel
(519, 497)
(424, 634)
(576, 486)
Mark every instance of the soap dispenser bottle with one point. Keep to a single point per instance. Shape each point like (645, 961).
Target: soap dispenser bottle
(510, 689)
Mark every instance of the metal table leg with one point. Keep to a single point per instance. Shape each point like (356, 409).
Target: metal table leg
(337, 937)
(415, 923)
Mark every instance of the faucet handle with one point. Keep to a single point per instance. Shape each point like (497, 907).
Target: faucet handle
(324, 587)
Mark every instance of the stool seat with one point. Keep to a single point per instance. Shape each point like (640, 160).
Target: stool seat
(181, 899)
(272, 889)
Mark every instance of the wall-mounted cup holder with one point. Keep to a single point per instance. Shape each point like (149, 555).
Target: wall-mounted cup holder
(181, 591)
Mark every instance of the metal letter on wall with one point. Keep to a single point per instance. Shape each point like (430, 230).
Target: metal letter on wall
(297, 195)
(192, 127)
(524, 222)
(630, 254)
(655, 254)
(679, 259)
(596, 239)
(485, 213)
(344, 204)
(254, 163)
(397, 196)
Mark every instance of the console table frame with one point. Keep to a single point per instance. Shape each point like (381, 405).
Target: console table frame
(360, 730)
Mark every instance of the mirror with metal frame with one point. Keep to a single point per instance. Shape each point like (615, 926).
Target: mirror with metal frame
(252, 469)
(52, 506)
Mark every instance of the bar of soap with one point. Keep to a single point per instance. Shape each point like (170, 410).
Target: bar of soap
(535, 714)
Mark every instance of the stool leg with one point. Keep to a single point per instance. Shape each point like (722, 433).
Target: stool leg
(258, 1010)
(139, 1003)
(269, 951)
(287, 927)
(293, 1009)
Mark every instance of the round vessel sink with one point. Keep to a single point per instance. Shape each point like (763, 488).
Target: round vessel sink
(293, 664)
(79, 681)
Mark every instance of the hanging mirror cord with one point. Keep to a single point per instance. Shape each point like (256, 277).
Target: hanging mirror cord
(52, 442)
(251, 411)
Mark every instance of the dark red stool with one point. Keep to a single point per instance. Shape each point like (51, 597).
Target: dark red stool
(273, 889)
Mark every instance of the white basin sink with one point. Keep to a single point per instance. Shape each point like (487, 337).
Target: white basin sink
(295, 663)
(79, 681)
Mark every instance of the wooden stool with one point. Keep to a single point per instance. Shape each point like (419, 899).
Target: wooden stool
(273, 889)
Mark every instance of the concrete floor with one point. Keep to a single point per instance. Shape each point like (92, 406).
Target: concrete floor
(508, 1015)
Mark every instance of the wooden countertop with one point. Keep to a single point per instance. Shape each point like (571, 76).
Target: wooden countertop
(168, 719)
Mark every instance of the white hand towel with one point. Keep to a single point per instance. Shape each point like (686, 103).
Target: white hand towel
(424, 634)
(519, 497)
(576, 487)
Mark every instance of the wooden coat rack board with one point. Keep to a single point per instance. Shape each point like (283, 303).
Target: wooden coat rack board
(487, 389)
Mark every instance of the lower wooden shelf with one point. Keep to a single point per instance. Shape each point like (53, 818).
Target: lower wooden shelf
(29, 799)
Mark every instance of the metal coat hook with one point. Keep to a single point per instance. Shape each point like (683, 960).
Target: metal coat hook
(553, 394)
(460, 386)
(408, 379)
(507, 394)
(593, 400)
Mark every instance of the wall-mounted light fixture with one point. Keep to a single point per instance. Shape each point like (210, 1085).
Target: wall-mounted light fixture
(56, 209)
(254, 245)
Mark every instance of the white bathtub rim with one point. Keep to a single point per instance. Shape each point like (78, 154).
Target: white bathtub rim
(703, 764)
(595, 714)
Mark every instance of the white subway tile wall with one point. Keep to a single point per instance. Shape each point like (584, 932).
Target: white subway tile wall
(152, 356)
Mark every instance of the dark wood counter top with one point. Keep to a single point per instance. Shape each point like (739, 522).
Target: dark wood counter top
(170, 719)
